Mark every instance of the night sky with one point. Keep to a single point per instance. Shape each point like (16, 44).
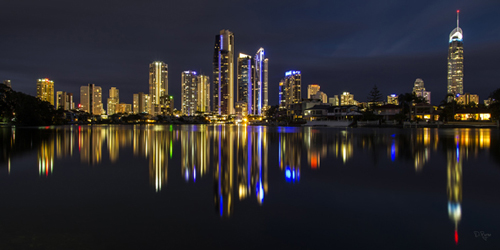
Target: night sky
(340, 45)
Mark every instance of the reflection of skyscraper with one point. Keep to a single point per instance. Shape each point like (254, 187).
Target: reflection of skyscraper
(158, 87)
(343, 146)
(45, 90)
(90, 140)
(64, 142)
(290, 149)
(314, 147)
(194, 152)
(454, 184)
(252, 162)
(223, 73)
(159, 141)
(117, 138)
(456, 62)
(223, 170)
(46, 157)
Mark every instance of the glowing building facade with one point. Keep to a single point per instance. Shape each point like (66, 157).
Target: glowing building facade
(393, 99)
(290, 89)
(419, 90)
(189, 95)
(45, 90)
(203, 94)
(456, 62)
(91, 99)
(347, 99)
(244, 96)
(312, 89)
(64, 100)
(140, 103)
(158, 87)
(259, 87)
(113, 100)
(223, 61)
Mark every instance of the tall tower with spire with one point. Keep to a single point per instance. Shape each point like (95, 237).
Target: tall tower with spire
(456, 61)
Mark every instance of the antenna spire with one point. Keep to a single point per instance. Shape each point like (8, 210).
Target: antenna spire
(458, 13)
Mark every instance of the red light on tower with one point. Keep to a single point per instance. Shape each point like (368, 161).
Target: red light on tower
(458, 11)
(456, 237)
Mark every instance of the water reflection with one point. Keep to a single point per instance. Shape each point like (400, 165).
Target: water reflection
(290, 150)
(195, 149)
(223, 172)
(239, 156)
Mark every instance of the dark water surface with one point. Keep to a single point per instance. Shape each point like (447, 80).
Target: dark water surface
(237, 187)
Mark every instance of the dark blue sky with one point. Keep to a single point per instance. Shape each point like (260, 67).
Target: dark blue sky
(340, 45)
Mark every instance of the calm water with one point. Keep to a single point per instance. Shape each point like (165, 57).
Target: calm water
(236, 187)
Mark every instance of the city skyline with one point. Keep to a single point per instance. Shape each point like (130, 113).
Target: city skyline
(412, 47)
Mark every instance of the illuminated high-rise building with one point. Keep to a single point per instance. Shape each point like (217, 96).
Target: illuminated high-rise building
(312, 89)
(290, 89)
(252, 82)
(223, 73)
(140, 103)
(45, 90)
(203, 94)
(123, 108)
(244, 93)
(259, 87)
(419, 90)
(266, 85)
(158, 87)
(456, 62)
(334, 101)
(113, 100)
(189, 95)
(467, 99)
(282, 100)
(64, 100)
(347, 99)
(91, 99)
(393, 99)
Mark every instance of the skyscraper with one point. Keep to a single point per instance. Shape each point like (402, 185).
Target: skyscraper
(203, 94)
(45, 90)
(64, 100)
(260, 83)
(456, 62)
(252, 82)
(223, 73)
(189, 93)
(347, 99)
(245, 83)
(312, 89)
(292, 89)
(419, 90)
(91, 99)
(140, 103)
(114, 98)
(158, 87)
